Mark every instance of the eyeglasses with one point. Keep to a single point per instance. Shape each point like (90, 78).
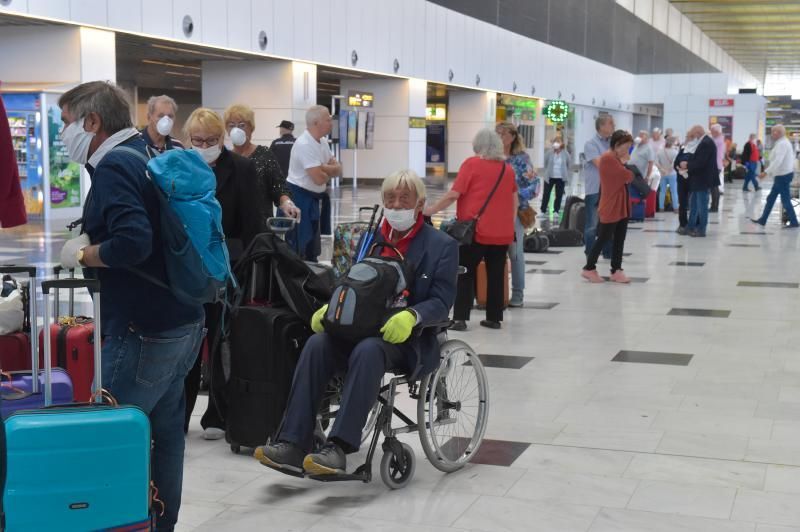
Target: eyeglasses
(198, 142)
(240, 125)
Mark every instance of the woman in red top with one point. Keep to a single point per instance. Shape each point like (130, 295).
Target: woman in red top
(614, 207)
(494, 231)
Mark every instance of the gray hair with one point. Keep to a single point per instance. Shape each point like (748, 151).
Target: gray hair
(602, 120)
(780, 129)
(404, 178)
(108, 101)
(154, 100)
(315, 113)
(716, 127)
(487, 144)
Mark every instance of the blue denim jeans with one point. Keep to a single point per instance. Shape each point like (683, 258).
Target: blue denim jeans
(672, 181)
(516, 253)
(780, 188)
(750, 175)
(698, 211)
(147, 370)
(590, 229)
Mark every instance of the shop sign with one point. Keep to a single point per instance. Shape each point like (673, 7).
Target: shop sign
(417, 122)
(360, 99)
(723, 102)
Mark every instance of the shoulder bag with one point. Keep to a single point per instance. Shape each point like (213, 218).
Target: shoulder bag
(464, 231)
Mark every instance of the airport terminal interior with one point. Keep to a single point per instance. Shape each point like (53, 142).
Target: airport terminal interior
(667, 403)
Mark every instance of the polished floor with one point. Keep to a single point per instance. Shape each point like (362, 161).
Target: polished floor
(669, 404)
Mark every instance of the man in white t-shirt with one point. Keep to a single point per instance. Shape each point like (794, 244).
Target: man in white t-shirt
(311, 167)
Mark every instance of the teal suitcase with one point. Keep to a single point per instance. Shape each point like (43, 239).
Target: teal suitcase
(79, 467)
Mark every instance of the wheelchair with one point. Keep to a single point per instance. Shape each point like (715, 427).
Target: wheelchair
(452, 413)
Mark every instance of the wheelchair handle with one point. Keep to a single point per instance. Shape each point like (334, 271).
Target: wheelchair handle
(280, 225)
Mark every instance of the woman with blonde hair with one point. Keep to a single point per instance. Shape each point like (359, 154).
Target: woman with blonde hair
(241, 221)
(240, 123)
(485, 188)
(520, 161)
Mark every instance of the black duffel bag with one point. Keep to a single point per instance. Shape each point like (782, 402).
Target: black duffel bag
(563, 238)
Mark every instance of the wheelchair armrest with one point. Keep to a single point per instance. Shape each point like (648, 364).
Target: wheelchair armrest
(437, 327)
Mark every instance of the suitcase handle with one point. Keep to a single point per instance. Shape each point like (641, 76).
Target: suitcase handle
(57, 300)
(31, 271)
(71, 284)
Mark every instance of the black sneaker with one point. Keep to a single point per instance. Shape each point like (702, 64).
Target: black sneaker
(459, 325)
(330, 460)
(282, 456)
(759, 222)
(491, 324)
(681, 230)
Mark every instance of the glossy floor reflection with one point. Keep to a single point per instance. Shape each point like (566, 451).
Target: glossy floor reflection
(580, 442)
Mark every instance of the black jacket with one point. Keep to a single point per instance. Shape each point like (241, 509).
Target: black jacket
(703, 171)
(282, 148)
(237, 193)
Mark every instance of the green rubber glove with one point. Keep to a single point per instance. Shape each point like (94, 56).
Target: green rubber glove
(316, 319)
(398, 328)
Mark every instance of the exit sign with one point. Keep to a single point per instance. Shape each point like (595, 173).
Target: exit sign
(724, 102)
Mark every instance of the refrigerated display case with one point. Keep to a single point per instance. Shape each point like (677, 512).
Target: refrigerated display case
(51, 183)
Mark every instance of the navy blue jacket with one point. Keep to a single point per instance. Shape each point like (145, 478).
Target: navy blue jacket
(703, 171)
(434, 255)
(122, 215)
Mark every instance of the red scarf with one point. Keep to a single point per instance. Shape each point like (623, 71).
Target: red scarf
(404, 243)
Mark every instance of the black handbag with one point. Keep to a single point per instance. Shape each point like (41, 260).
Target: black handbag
(464, 231)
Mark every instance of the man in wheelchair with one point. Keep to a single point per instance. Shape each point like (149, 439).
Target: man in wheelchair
(433, 290)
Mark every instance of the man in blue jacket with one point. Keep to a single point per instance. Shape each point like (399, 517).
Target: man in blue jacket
(703, 174)
(150, 339)
(433, 292)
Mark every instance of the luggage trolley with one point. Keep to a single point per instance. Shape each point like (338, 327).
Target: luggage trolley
(452, 412)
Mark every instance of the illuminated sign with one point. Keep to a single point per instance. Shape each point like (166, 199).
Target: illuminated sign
(416, 122)
(360, 99)
(556, 111)
(436, 112)
(724, 102)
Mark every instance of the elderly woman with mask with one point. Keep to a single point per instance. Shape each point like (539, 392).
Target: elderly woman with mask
(556, 173)
(241, 221)
(240, 123)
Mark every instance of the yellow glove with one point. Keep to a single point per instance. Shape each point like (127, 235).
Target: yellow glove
(316, 319)
(398, 328)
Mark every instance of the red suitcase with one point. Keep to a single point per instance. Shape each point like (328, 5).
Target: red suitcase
(15, 348)
(650, 204)
(72, 347)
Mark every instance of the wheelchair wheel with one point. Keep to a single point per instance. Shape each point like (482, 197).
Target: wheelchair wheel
(453, 407)
(393, 474)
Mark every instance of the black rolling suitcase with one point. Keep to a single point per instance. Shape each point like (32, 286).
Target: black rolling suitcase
(267, 342)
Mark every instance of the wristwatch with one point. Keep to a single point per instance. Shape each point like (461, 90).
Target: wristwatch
(80, 257)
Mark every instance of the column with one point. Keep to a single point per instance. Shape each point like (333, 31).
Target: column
(396, 146)
(275, 90)
(467, 113)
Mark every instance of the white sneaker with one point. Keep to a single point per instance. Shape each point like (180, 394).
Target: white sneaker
(213, 433)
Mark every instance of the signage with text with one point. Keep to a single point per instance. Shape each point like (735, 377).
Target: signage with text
(724, 102)
(360, 99)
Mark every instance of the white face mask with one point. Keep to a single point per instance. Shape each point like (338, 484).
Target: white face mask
(556, 145)
(210, 154)
(238, 136)
(77, 140)
(637, 140)
(164, 126)
(400, 219)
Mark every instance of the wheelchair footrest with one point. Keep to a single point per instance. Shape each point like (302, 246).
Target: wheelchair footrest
(339, 478)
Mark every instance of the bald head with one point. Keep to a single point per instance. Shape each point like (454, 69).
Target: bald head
(778, 132)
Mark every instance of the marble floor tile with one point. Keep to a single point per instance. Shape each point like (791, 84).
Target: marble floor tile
(415, 506)
(767, 507)
(683, 499)
(768, 451)
(783, 478)
(776, 528)
(615, 439)
(697, 471)
(361, 524)
(249, 518)
(720, 446)
(613, 520)
(212, 485)
(494, 514)
(575, 460)
(705, 423)
(607, 417)
(593, 490)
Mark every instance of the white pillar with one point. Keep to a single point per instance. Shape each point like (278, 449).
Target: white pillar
(467, 113)
(275, 90)
(396, 146)
(539, 133)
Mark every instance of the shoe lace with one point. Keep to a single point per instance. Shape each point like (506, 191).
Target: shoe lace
(329, 449)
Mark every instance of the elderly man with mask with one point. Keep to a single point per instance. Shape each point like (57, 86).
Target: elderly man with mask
(703, 173)
(141, 320)
(160, 120)
(781, 170)
(434, 256)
